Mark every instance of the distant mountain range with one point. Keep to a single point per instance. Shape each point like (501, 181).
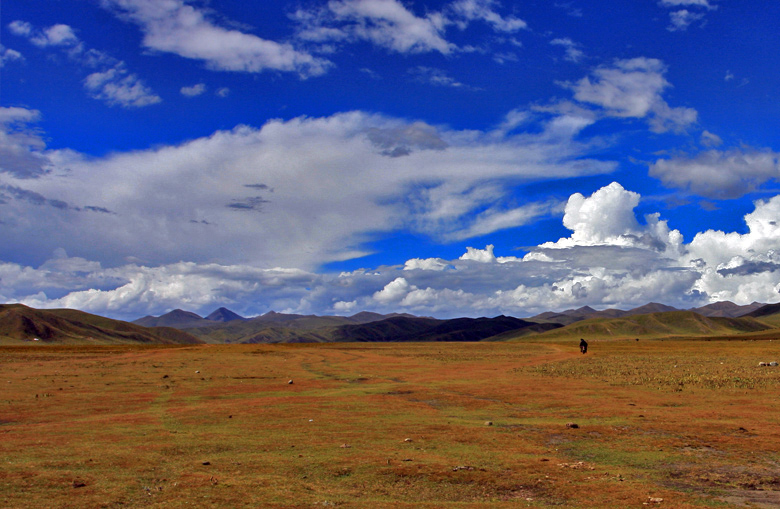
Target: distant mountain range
(19, 323)
(718, 309)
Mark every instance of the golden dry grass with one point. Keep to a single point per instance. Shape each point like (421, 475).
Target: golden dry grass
(391, 425)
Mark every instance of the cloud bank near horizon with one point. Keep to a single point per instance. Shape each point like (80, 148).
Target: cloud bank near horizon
(609, 260)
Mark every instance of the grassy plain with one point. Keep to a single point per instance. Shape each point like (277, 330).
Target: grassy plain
(694, 423)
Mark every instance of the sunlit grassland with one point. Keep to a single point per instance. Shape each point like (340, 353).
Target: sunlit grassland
(391, 425)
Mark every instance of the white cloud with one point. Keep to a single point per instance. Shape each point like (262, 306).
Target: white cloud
(386, 23)
(598, 268)
(741, 267)
(21, 146)
(394, 291)
(486, 255)
(470, 10)
(132, 291)
(709, 139)
(55, 35)
(680, 20)
(176, 27)
(116, 86)
(694, 3)
(194, 90)
(719, 174)
(573, 53)
(606, 218)
(437, 264)
(252, 190)
(21, 28)
(391, 25)
(632, 89)
(493, 220)
(434, 76)
(112, 83)
(9, 55)
(222, 92)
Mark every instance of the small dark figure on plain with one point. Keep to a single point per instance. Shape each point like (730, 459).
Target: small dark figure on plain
(583, 346)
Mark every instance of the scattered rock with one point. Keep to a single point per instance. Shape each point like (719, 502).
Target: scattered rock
(654, 500)
(463, 467)
(408, 440)
(165, 376)
(488, 423)
(580, 465)
(773, 363)
(572, 425)
(289, 382)
(78, 484)
(206, 463)
(761, 364)
(345, 446)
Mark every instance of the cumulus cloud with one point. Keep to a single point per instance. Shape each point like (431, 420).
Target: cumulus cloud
(437, 264)
(9, 55)
(573, 53)
(116, 86)
(180, 28)
(741, 267)
(131, 291)
(163, 202)
(719, 174)
(112, 83)
(391, 25)
(471, 10)
(633, 89)
(680, 20)
(55, 35)
(486, 255)
(607, 218)
(709, 139)
(614, 266)
(194, 90)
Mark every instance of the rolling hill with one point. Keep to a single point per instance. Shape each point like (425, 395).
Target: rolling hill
(657, 325)
(769, 314)
(21, 324)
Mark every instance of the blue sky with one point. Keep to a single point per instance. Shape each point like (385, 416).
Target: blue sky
(445, 158)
